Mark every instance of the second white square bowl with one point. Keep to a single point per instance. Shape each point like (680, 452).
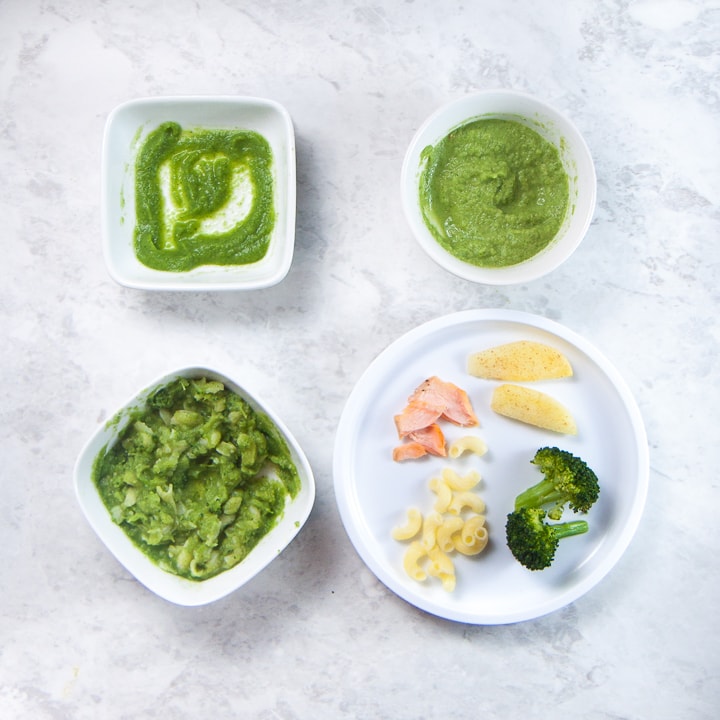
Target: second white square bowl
(171, 587)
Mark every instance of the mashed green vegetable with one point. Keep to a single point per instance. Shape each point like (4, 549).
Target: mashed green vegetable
(202, 197)
(493, 192)
(196, 478)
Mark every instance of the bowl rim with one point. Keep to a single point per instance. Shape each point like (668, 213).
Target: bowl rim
(560, 249)
(200, 279)
(173, 588)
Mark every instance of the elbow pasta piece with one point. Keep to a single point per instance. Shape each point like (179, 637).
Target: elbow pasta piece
(455, 524)
(473, 537)
(411, 561)
(448, 582)
(440, 563)
(464, 500)
(412, 526)
(443, 492)
(450, 526)
(456, 482)
(442, 567)
(473, 524)
(475, 546)
(467, 443)
(429, 530)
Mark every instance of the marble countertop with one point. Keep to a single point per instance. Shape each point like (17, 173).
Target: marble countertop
(316, 635)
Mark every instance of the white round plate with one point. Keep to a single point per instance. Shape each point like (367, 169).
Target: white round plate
(373, 492)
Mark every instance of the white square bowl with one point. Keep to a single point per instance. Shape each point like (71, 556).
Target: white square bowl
(125, 130)
(550, 124)
(171, 587)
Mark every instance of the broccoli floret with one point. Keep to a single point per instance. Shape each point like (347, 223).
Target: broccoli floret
(532, 541)
(567, 481)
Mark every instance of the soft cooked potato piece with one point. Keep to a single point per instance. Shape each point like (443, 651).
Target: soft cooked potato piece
(524, 360)
(532, 407)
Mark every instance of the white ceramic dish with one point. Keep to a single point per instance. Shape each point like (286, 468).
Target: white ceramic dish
(168, 586)
(125, 130)
(373, 492)
(550, 124)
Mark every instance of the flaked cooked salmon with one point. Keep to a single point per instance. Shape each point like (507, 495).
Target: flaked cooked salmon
(416, 416)
(417, 424)
(452, 402)
(431, 438)
(425, 441)
(409, 451)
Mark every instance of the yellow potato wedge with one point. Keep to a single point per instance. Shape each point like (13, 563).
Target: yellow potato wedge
(524, 360)
(533, 407)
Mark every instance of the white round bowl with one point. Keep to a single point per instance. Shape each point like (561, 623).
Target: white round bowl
(547, 122)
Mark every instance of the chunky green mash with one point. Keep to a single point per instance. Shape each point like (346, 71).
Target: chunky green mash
(493, 192)
(196, 478)
(202, 197)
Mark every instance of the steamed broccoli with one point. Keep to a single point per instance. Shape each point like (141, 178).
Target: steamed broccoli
(533, 541)
(567, 481)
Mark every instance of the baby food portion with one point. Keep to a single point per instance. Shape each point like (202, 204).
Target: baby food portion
(567, 483)
(493, 192)
(524, 360)
(197, 477)
(418, 424)
(456, 524)
(203, 197)
(533, 407)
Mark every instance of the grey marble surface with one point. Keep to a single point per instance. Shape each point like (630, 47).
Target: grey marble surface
(316, 635)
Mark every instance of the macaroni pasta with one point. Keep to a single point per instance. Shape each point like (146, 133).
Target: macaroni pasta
(456, 524)
(411, 528)
(467, 443)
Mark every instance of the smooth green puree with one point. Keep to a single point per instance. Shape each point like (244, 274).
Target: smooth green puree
(493, 192)
(202, 197)
(196, 477)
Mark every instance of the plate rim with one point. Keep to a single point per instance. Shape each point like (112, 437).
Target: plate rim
(342, 485)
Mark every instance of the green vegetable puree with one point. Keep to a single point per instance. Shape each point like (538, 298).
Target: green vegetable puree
(196, 477)
(202, 197)
(493, 192)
